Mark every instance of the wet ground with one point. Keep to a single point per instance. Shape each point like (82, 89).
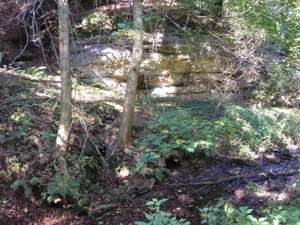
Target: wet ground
(195, 184)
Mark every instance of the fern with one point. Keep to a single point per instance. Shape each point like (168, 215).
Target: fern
(64, 185)
(160, 217)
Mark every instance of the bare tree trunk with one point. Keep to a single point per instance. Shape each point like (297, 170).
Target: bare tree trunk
(218, 7)
(66, 85)
(132, 82)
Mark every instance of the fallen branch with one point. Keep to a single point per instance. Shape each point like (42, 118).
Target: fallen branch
(104, 208)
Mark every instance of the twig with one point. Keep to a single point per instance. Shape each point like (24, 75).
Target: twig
(104, 207)
(88, 135)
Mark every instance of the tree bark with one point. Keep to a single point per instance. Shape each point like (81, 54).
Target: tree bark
(66, 85)
(218, 7)
(132, 82)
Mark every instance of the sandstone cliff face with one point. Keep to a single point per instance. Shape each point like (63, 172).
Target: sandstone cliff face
(171, 65)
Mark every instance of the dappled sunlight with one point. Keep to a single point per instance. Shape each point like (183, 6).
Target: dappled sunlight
(93, 93)
(263, 195)
(212, 100)
(163, 91)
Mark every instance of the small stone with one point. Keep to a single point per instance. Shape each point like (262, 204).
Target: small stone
(235, 171)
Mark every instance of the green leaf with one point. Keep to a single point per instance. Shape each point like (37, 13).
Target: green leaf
(18, 183)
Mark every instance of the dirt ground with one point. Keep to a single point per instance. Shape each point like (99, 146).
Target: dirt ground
(192, 183)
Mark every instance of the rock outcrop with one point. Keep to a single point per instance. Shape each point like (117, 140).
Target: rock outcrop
(171, 65)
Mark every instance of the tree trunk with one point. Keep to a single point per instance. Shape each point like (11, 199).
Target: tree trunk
(66, 85)
(132, 82)
(218, 9)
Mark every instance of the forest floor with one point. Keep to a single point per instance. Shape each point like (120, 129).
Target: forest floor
(27, 132)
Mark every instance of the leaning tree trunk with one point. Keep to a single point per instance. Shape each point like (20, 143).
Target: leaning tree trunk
(66, 85)
(132, 82)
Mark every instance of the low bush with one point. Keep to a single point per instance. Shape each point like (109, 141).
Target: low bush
(159, 217)
(37, 73)
(232, 129)
(280, 88)
(94, 23)
(51, 186)
(224, 213)
(58, 189)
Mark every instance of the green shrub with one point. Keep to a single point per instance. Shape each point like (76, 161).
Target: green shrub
(14, 166)
(27, 185)
(158, 217)
(234, 130)
(94, 23)
(23, 121)
(224, 213)
(123, 25)
(36, 72)
(152, 20)
(64, 185)
(260, 30)
(280, 88)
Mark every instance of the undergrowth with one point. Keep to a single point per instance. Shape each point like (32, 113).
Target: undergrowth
(159, 217)
(225, 213)
(61, 187)
(27, 132)
(202, 127)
